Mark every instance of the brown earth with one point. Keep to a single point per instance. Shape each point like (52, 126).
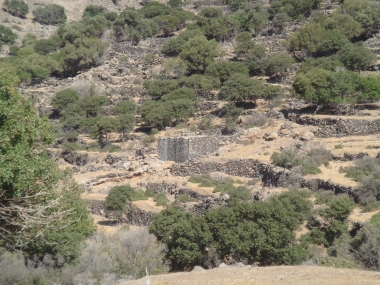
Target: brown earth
(284, 275)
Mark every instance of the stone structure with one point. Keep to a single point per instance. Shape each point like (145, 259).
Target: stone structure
(270, 175)
(332, 127)
(181, 149)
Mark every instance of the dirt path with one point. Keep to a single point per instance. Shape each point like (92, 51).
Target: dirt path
(284, 275)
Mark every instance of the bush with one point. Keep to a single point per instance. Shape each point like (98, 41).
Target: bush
(198, 53)
(50, 15)
(108, 258)
(225, 69)
(64, 98)
(149, 139)
(241, 88)
(16, 7)
(45, 47)
(203, 180)
(94, 10)
(6, 35)
(231, 112)
(309, 161)
(124, 107)
(256, 120)
(118, 197)
(159, 88)
(205, 123)
(183, 198)
(197, 81)
(161, 199)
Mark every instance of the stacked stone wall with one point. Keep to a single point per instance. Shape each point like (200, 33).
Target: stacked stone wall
(251, 168)
(181, 149)
(132, 215)
(332, 127)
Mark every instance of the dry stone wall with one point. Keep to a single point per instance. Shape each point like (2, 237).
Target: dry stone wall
(251, 168)
(338, 127)
(181, 149)
(132, 215)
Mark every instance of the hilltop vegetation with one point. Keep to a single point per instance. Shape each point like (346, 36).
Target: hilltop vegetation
(205, 52)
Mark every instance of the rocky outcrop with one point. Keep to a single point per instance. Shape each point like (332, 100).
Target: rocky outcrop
(75, 158)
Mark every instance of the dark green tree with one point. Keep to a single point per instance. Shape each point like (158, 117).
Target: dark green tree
(225, 69)
(6, 35)
(16, 7)
(175, 45)
(124, 107)
(279, 64)
(102, 128)
(198, 53)
(158, 88)
(241, 88)
(50, 15)
(64, 98)
(186, 236)
(41, 209)
(356, 57)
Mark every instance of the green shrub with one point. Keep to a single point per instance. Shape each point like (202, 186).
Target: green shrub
(309, 161)
(124, 107)
(159, 88)
(161, 199)
(6, 35)
(118, 197)
(197, 81)
(286, 158)
(224, 69)
(337, 262)
(149, 139)
(175, 3)
(16, 7)
(183, 198)
(203, 180)
(231, 112)
(139, 195)
(150, 57)
(206, 124)
(50, 15)
(182, 93)
(149, 193)
(270, 224)
(64, 98)
(45, 47)
(338, 146)
(94, 10)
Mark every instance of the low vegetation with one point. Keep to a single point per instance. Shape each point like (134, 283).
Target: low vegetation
(308, 161)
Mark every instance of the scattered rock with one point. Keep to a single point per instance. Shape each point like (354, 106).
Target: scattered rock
(307, 136)
(197, 269)
(270, 137)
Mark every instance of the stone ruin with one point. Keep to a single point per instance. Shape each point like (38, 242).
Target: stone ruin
(181, 149)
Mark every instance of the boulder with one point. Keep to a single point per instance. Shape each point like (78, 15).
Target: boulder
(198, 268)
(307, 136)
(270, 137)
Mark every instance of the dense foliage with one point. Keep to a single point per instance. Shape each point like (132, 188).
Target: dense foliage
(40, 209)
(260, 232)
(50, 15)
(16, 7)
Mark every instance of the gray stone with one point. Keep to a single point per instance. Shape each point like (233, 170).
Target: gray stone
(180, 149)
(222, 265)
(126, 165)
(198, 268)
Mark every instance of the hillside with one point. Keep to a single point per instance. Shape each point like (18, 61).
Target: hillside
(201, 133)
(285, 275)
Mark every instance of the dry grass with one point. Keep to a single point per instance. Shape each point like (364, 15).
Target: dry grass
(276, 275)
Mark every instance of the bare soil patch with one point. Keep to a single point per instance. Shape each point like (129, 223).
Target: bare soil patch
(284, 275)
